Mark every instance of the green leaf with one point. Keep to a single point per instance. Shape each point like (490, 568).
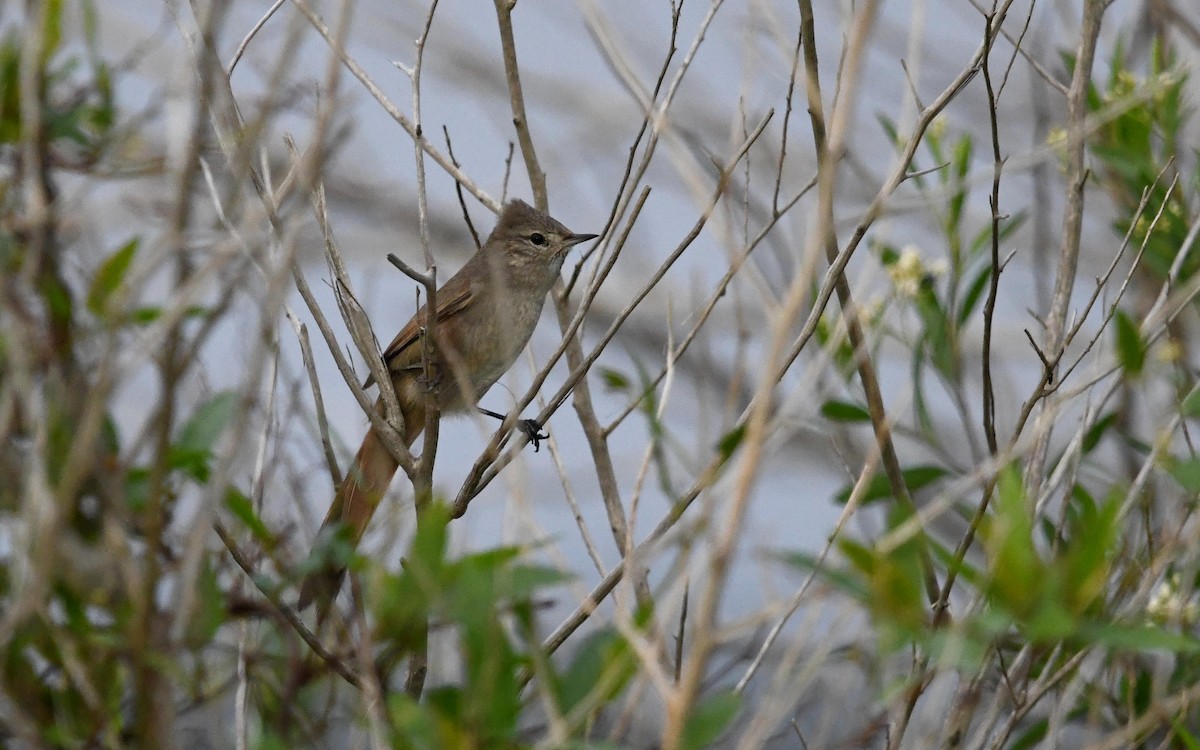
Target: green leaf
(960, 161)
(888, 255)
(415, 725)
(920, 403)
(519, 582)
(1007, 227)
(1186, 472)
(894, 579)
(427, 554)
(974, 293)
(1017, 573)
(109, 276)
(1086, 561)
(709, 718)
(209, 614)
(1138, 638)
(1131, 350)
(137, 481)
(858, 554)
(145, 315)
(915, 478)
(937, 333)
(969, 572)
(1139, 692)
(1191, 404)
(1181, 732)
(844, 411)
(52, 30)
(149, 314)
(730, 441)
(839, 577)
(1092, 437)
(10, 90)
(613, 379)
(193, 448)
(401, 607)
(599, 670)
(58, 299)
(889, 127)
(1031, 737)
(243, 510)
(208, 422)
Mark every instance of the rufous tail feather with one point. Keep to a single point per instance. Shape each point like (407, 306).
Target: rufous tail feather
(365, 484)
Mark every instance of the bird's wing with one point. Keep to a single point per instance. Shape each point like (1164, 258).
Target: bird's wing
(450, 301)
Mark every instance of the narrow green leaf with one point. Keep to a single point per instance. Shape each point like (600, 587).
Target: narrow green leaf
(889, 127)
(192, 450)
(984, 237)
(242, 509)
(151, 313)
(109, 276)
(915, 478)
(709, 719)
(1093, 436)
(730, 442)
(145, 315)
(920, 403)
(1086, 561)
(10, 89)
(974, 293)
(858, 554)
(614, 380)
(1012, 224)
(1017, 573)
(937, 328)
(210, 613)
(52, 31)
(1031, 737)
(839, 577)
(1187, 473)
(888, 255)
(599, 669)
(519, 582)
(844, 411)
(137, 481)
(1184, 735)
(961, 158)
(415, 726)
(1191, 404)
(960, 161)
(1140, 692)
(1139, 638)
(208, 422)
(1131, 350)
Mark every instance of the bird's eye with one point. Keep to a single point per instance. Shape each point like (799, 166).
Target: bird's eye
(537, 238)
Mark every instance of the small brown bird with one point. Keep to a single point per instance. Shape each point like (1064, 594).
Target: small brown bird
(485, 315)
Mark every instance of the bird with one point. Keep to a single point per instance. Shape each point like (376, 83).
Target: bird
(486, 313)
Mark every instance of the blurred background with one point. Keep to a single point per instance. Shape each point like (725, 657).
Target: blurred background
(670, 94)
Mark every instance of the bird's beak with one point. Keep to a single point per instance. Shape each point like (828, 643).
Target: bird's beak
(574, 239)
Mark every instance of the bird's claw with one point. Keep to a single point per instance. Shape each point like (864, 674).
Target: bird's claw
(533, 430)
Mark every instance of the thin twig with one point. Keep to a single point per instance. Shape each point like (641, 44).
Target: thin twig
(287, 612)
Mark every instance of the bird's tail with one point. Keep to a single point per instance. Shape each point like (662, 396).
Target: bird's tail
(364, 486)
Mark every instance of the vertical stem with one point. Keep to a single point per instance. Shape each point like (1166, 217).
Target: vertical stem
(508, 45)
(581, 396)
(828, 153)
(1068, 249)
(418, 661)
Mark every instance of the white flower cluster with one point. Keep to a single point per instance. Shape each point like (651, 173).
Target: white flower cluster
(1168, 605)
(910, 270)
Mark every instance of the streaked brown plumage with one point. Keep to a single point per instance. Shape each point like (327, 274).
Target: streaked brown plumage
(486, 313)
